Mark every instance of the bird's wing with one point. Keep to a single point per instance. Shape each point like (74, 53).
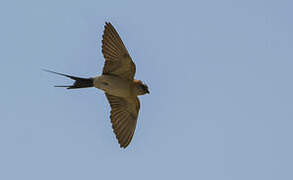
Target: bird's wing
(123, 117)
(117, 59)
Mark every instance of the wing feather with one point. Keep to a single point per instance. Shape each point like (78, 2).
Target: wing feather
(124, 112)
(117, 59)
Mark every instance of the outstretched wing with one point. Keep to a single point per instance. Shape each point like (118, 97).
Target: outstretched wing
(123, 117)
(117, 59)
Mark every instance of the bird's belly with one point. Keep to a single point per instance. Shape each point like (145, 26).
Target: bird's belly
(113, 85)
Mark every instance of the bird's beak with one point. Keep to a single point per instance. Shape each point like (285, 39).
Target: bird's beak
(148, 91)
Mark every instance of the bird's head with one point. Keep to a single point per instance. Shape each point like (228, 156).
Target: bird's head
(141, 88)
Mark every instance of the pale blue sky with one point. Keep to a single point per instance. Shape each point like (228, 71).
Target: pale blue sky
(219, 72)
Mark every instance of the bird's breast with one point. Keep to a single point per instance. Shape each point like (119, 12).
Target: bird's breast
(114, 85)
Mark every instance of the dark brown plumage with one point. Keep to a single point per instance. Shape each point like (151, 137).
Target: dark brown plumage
(124, 111)
(117, 59)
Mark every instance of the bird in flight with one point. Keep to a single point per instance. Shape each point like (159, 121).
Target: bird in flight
(118, 83)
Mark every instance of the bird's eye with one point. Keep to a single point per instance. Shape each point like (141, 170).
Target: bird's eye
(143, 87)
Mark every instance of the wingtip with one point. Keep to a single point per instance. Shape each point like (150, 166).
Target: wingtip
(108, 24)
(122, 146)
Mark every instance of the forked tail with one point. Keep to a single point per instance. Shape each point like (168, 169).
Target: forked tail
(79, 82)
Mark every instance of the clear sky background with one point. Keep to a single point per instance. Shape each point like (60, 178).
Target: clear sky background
(219, 72)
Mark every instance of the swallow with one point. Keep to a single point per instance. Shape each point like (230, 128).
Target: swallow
(118, 83)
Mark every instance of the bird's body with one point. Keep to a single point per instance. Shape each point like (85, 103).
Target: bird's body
(119, 85)
(115, 85)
